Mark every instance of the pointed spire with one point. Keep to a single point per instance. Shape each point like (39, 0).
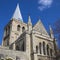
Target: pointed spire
(29, 25)
(17, 14)
(51, 32)
(29, 20)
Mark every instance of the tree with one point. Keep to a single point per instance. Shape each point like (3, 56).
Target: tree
(57, 30)
(57, 27)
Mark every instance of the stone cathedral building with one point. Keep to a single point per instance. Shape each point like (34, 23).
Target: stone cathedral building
(23, 41)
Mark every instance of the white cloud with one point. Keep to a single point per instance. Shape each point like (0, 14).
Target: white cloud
(43, 4)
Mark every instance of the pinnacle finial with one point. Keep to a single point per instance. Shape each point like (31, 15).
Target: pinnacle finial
(29, 20)
(39, 20)
(51, 32)
(17, 14)
(18, 4)
(50, 29)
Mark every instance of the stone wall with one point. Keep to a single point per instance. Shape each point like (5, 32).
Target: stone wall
(6, 53)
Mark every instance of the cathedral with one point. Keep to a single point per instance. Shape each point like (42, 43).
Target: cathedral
(23, 41)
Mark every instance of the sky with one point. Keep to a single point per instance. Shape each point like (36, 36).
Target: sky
(48, 11)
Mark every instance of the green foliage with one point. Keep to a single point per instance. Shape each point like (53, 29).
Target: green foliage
(9, 59)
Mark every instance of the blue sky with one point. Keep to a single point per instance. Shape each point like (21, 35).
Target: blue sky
(46, 10)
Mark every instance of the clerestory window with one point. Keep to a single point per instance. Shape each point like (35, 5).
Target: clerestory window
(36, 49)
(44, 48)
(47, 49)
(40, 47)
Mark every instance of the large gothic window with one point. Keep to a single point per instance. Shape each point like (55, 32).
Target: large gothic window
(18, 28)
(44, 48)
(23, 29)
(47, 49)
(40, 47)
(17, 47)
(22, 47)
(36, 49)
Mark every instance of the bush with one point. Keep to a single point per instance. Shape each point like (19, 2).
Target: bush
(9, 59)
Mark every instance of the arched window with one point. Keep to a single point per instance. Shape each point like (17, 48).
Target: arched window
(40, 47)
(47, 49)
(51, 52)
(36, 49)
(23, 29)
(44, 48)
(18, 28)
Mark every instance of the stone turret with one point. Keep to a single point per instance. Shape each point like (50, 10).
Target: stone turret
(14, 28)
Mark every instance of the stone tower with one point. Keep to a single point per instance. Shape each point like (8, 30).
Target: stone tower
(14, 28)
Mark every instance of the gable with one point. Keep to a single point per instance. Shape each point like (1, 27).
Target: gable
(39, 27)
